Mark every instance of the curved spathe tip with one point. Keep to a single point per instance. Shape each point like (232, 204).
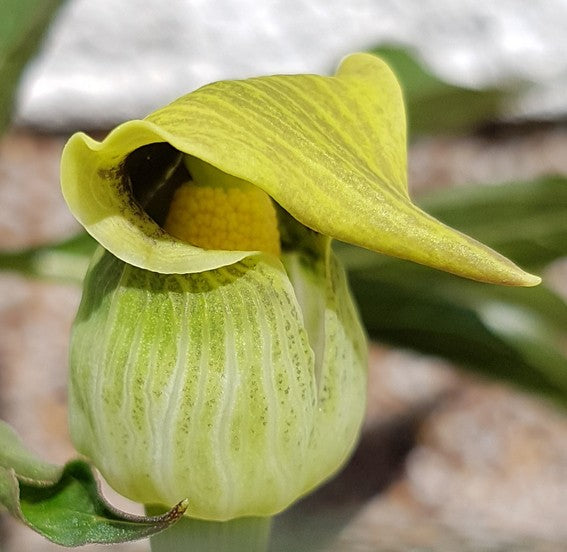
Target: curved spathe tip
(330, 150)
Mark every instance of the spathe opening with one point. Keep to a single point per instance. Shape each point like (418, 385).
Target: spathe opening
(154, 172)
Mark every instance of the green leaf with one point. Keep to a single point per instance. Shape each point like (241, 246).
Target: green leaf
(503, 336)
(330, 150)
(435, 106)
(526, 221)
(22, 25)
(516, 335)
(64, 504)
(65, 261)
(13, 455)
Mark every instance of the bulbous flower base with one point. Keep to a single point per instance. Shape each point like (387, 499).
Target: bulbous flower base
(240, 388)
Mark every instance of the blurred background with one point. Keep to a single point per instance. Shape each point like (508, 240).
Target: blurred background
(465, 444)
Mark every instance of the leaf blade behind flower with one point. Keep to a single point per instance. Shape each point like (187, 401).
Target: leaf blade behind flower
(435, 106)
(64, 504)
(504, 333)
(65, 261)
(22, 25)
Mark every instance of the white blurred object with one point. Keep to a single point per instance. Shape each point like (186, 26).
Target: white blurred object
(108, 61)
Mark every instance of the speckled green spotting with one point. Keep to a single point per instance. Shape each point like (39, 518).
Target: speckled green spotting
(204, 385)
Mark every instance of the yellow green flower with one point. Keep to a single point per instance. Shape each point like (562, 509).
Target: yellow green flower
(217, 354)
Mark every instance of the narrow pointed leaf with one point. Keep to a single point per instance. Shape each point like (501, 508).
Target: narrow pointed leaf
(330, 150)
(22, 25)
(14, 455)
(435, 106)
(510, 334)
(64, 504)
(526, 221)
(500, 337)
(65, 261)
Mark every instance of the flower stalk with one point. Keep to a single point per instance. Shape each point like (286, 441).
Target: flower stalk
(250, 534)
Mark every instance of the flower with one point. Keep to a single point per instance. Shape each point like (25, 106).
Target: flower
(217, 354)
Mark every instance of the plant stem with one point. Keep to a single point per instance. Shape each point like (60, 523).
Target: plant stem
(250, 534)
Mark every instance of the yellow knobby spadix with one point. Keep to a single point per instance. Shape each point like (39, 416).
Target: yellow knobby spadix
(214, 211)
(217, 354)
